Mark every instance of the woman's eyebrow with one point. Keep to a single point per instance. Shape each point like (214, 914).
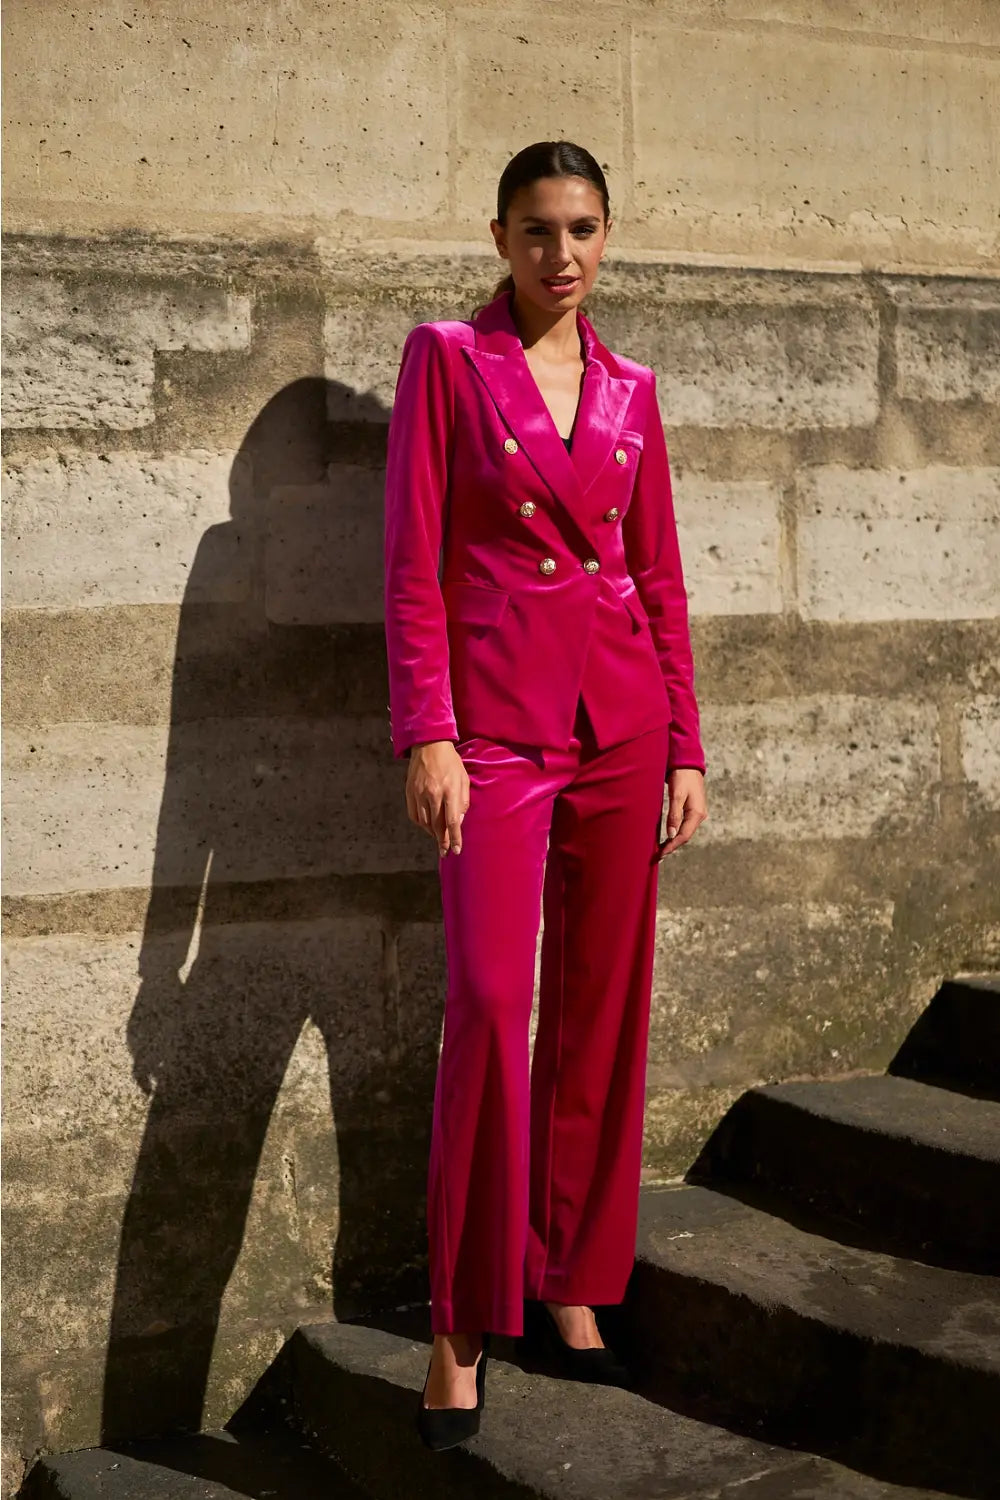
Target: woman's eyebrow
(580, 219)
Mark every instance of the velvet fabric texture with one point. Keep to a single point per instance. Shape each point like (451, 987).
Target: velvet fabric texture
(536, 616)
(484, 636)
(533, 1180)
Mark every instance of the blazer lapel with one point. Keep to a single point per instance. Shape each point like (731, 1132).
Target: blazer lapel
(604, 401)
(499, 359)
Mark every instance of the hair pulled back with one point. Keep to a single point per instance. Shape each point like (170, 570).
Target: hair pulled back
(543, 159)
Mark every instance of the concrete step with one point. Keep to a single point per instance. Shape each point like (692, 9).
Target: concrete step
(957, 1039)
(278, 1464)
(915, 1167)
(893, 1364)
(356, 1390)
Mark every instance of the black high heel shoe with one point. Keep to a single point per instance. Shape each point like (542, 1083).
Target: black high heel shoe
(445, 1426)
(599, 1366)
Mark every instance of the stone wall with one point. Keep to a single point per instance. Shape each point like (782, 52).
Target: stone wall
(224, 969)
(196, 709)
(755, 131)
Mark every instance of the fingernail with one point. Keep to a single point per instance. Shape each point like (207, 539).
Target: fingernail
(672, 832)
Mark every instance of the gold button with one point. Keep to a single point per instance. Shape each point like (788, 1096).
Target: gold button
(511, 445)
(621, 455)
(527, 509)
(612, 514)
(591, 565)
(547, 565)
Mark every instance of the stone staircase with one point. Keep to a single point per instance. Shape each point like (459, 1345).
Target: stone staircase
(814, 1313)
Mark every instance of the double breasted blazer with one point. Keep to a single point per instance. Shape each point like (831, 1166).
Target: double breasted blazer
(519, 575)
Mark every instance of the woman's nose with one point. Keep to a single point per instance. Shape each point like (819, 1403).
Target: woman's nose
(562, 255)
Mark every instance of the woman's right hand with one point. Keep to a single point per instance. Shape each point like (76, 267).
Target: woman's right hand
(437, 792)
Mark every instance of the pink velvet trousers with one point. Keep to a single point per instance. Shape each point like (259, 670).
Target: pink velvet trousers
(533, 1179)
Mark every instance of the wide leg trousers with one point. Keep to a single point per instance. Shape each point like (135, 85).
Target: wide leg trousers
(533, 1181)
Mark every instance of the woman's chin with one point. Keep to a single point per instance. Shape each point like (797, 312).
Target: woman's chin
(548, 300)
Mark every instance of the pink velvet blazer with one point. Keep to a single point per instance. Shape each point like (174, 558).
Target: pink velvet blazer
(518, 574)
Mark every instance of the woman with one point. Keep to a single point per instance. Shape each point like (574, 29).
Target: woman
(542, 686)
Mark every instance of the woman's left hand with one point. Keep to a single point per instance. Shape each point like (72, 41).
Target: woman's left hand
(686, 808)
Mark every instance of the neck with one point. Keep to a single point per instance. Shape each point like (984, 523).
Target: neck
(556, 334)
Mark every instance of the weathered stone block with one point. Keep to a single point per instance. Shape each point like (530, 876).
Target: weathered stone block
(421, 978)
(778, 353)
(981, 747)
(81, 354)
(955, 21)
(133, 663)
(235, 133)
(72, 1275)
(797, 991)
(947, 339)
(279, 1020)
(712, 115)
(149, 664)
(79, 987)
(60, 1285)
(323, 559)
(200, 1236)
(730, 536)
(110, 805)
(122, 528)
(583, 71)
(243, 1009)
(826, 766)
(363, 343)
(895, 544)
(743, 995)
(387, 87)
(677, 1123)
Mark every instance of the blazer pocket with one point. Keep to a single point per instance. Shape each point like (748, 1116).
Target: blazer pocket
(474, 603)
(630, 444)
(635, 607)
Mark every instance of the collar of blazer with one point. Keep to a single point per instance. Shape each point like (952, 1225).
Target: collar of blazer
(499, 358)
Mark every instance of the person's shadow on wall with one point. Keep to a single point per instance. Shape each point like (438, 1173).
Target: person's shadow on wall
(281, 829)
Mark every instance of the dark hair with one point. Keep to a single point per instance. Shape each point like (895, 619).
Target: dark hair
(543, 159)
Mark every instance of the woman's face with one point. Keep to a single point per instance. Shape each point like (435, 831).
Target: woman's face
(555, 228)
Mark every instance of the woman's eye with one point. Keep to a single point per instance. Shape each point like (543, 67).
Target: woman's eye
(586, 230)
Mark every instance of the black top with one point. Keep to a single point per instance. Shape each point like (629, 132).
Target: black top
(568, 441)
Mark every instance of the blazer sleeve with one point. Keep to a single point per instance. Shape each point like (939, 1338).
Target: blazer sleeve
(416, 489)
(653, 558)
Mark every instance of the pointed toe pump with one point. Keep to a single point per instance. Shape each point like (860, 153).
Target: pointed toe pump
(599, 1366)
(445, 1426)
